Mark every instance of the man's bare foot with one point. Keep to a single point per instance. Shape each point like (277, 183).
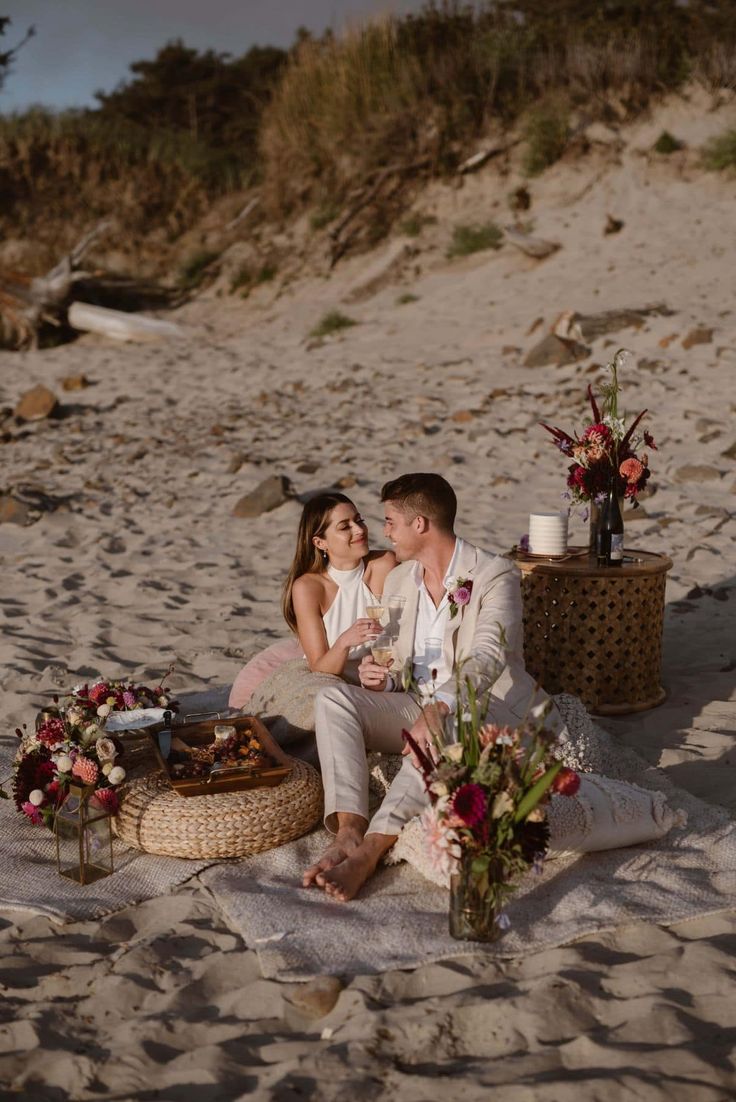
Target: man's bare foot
(344, 881)
(346, 841)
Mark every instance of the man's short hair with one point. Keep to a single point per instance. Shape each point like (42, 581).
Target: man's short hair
(423, 495)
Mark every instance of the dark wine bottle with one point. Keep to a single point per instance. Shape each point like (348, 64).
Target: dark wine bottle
(611, 527)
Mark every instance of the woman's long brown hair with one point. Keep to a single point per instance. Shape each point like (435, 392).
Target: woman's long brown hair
(308, 558)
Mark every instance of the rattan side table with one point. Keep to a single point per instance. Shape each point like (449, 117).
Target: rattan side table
(596, 632)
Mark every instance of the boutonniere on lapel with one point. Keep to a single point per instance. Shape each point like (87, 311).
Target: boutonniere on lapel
(459, 591)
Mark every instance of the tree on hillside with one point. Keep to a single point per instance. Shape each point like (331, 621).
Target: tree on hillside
(213, 98)
(7, 56)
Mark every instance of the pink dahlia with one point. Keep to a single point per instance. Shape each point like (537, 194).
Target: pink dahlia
(129, 699)
(86, 770)
(566, 783)
(107, 799)
(469, 804)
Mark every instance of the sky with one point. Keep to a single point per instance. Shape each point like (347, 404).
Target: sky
(82, 46)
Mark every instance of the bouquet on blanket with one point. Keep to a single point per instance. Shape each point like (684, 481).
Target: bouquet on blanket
(486, 823)
(72, 744)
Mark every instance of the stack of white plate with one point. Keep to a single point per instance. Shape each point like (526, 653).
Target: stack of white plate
(548, 533)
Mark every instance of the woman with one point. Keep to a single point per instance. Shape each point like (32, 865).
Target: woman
(333, 578)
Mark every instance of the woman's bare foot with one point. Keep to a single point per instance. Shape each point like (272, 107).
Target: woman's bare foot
(350, 831)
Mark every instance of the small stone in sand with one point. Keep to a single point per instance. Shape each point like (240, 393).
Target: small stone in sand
(36, 404)
(316, 998)
(553, 350)
(268, 495)
(74, 382)
(701, 335)
(13, 511)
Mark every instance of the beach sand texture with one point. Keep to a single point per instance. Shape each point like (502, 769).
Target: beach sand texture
(136, 561)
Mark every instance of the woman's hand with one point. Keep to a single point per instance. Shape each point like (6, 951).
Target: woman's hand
(364, 630)
(372, 676)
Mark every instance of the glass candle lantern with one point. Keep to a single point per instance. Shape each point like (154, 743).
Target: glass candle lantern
(83, 834)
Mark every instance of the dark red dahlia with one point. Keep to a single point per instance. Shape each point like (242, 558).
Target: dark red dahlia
(469, 804)
(35, 770)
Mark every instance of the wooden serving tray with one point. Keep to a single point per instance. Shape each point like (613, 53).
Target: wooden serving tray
(237, 779)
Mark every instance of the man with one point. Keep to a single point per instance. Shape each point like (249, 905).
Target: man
(462, 604)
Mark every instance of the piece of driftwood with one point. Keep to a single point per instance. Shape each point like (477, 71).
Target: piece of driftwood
(479, 159)
(27, 303)
(249, 206)
(120, 326)
(589, 327)
(532, 246)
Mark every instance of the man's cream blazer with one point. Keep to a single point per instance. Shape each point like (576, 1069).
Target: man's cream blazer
(486, 634)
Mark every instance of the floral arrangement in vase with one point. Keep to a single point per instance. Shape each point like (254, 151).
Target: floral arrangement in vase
(486, 823)
(606, 445)
(71, 746)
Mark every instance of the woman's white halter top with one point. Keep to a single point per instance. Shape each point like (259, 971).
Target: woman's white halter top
(348, 606)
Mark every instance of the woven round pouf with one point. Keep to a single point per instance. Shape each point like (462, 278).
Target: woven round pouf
(155, 819)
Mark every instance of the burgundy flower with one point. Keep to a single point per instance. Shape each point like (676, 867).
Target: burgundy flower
(51, 732)
(566, 783)
(469, 804)
(99, 692)
(649, 440)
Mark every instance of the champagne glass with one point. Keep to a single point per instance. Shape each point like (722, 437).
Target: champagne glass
(382, 651)
(375, 608)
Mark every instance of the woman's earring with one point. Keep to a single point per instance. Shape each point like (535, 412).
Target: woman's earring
(324, 555)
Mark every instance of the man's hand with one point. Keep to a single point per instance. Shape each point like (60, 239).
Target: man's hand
(372, 676)
(426, 728)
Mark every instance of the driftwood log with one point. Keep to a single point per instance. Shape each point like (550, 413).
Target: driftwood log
(29, 304)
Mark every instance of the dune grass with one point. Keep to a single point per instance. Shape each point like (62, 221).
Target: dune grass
(332, 322)
(546, 130)
(720, 153)
(467, 239)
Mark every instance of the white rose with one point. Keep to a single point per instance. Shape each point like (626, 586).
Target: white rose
(107, 768)
(163, 701)
(439, 788)
(104, 711)
(106, 749)
(75, 717)
(116, 774)
(37, 797)
(64, 763)
(454, 752)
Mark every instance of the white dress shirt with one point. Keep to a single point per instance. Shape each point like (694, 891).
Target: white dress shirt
(429, 633)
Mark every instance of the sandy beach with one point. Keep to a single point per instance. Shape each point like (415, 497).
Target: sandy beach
(131, 559)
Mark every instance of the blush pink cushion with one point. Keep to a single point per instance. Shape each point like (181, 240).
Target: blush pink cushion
(260, 667)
